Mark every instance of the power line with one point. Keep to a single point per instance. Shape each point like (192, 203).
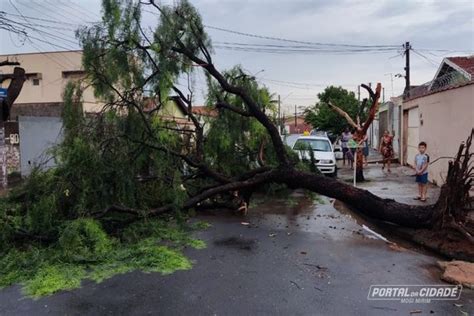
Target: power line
(300, 51)
(28, 26)
(296, 48)
(287, 46)
(303, 83)
(27, 36)
(430, 61)
(33, 6)
(73, 13)
(40, 19)
(84, 9)
(296, 41)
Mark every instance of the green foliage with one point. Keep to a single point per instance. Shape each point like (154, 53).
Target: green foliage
(179, 26)
(151, 258)
(52, 278)
(106, 63)
(233, 141)
(149, 246)
(201, 225)
(321, 116)
(41, 216)
(84, 240)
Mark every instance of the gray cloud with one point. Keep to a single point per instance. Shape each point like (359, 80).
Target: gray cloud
(426, 24)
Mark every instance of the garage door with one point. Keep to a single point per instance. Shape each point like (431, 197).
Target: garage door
(413, 134)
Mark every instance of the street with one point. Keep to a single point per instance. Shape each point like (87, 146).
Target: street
(293, 258)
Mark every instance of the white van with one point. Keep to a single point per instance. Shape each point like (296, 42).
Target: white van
(323, 152)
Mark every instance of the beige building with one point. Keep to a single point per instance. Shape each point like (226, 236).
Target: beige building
(440, 113)
(47, 74)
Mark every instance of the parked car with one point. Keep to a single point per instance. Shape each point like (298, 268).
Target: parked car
(316, 132)
(323, 152)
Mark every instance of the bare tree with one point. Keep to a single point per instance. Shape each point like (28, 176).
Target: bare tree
(361, 128)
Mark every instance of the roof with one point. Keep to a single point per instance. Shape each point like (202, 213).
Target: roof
(204, 111)
(453, 72)
(465, 63)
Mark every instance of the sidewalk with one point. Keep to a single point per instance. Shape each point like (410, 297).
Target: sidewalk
(374, 156)
(399, 185)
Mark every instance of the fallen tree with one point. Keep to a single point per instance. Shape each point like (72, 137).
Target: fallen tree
(145, 166)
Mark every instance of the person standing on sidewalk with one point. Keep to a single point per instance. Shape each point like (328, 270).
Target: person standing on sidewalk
(386, 149)
(345, 138)
(421, 168)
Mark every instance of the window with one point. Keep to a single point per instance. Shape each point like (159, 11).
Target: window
(315, 144)
(36, 82)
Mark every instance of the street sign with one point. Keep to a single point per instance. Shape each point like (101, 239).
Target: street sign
(3, 93)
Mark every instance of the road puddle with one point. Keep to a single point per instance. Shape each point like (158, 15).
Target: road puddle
(308, 213)
(328, 217)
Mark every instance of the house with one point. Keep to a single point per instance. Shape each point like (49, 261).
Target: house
(175, 110)
(296, 125)
(46, 77)
(441, 113)
(35, 124)
(388, 119)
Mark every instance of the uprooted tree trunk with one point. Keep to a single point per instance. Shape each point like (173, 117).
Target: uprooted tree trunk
(455, 203)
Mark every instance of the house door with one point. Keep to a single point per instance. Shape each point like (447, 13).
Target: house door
(405, 137)
(413, 137)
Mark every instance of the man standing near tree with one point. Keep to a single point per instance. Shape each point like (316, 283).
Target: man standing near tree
(345, 138)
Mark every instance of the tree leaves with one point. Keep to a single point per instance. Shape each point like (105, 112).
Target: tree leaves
(321, 116)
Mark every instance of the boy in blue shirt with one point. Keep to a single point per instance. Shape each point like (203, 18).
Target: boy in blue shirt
(421, 168)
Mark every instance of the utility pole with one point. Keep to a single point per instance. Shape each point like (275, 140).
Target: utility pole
(358, 93)
(383, 95)
(407, 68)
(296, 123)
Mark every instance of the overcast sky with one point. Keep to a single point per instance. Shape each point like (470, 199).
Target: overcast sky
(430, 26)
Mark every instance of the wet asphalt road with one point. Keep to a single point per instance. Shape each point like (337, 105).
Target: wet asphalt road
(293, 259)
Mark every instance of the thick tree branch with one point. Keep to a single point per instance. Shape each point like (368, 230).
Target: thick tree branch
(225, 105)
(252, 106)
(343, 114)
(13, 90)
(373, 108)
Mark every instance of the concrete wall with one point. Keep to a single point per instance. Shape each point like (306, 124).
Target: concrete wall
(54, 70)
(37, 136)
(413, 134)
(445, 119)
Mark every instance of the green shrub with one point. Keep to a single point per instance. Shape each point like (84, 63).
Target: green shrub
(84, 240)
(41, 216)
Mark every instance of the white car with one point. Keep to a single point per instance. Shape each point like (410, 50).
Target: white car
(323, 152)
